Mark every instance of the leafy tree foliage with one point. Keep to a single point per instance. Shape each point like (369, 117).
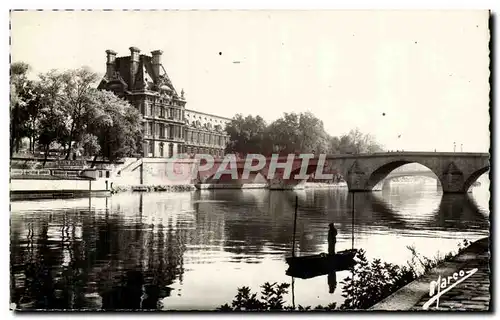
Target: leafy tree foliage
(248, 135)
(354, 142)
(271, 300)
(18, 79)
(51, 126)
(373, 281)
(65, 108)
(21, 97)
(76, 101)
(293, 133)
(116, 126)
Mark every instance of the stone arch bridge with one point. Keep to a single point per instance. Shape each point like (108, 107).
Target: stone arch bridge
(456, 171)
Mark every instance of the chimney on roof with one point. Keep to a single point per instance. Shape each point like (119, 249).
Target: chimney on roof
(134, 65)
(110, 63)
(156, 62)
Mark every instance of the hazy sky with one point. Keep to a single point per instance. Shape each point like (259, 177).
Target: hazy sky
(426, 70)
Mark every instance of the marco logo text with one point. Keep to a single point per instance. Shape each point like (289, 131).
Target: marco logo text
(442, 285)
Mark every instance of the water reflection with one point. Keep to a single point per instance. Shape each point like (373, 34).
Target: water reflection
(332, 282)
(66, 259)
(192, 250)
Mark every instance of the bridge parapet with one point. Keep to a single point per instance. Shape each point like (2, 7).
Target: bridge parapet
(363, 172)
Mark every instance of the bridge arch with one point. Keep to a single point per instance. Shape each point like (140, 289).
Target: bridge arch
(379, 174)
(474, 176)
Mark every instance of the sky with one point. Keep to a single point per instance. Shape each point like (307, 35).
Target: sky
(415, 80)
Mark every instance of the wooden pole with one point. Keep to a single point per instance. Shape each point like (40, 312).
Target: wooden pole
(352, 223)
(352, 232)
(295, 224)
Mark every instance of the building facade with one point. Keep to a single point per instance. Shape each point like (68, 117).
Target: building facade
(169, 128)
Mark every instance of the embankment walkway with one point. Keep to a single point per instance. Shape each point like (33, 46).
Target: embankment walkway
(473, 294)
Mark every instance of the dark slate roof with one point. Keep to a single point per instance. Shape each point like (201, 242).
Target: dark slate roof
(122, 65)
(144, 79)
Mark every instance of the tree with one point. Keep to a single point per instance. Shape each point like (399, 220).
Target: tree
(333, 145)
(353, 143)
(298, 133)
(247, 135)
(18, 78)
(114, 128)
(313, 135)
(90, 145)
(76, 100)
(67, 97)
(19, 98)
(293, 133)
(356, 142)
(52, 114)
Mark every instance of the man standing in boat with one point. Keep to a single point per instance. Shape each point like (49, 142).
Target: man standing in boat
(332, 239)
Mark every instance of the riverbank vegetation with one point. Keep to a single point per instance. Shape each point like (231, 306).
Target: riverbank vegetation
(371, 282)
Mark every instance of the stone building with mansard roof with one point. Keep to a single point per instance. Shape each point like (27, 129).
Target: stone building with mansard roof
(169, 128)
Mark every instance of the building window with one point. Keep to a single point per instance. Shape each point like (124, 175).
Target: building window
(150, 109)
(170, 150)
(161, 149)
(162, 112)
(162, 130)
(151, 147)
(150, 128)
(170, 131)
(179, 148)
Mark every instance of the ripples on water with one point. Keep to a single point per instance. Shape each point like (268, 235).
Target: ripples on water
(193, 250)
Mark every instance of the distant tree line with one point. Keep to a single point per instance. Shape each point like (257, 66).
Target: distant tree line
(293, 133)
(64, 110)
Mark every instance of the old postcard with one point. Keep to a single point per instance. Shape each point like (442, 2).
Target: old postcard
(250, 160)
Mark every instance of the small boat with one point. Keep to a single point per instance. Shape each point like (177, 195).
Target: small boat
(315, 265)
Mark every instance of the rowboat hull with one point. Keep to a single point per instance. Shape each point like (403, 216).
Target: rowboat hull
(315, 265)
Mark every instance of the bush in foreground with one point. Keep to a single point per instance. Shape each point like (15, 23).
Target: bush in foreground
(371, 282)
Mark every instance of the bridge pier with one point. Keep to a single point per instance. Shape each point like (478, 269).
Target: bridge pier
(452, 180)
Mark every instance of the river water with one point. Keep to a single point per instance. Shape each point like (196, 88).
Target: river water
(193, 250)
